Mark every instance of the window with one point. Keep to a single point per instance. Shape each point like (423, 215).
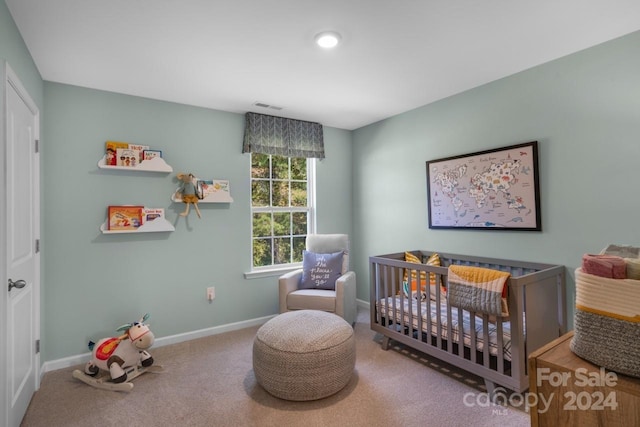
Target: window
(282, 201)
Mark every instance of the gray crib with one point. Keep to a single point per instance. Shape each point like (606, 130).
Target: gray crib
(497, 351)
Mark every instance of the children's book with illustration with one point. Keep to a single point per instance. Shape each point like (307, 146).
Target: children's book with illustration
(140, 149)
(150, 214)
(127, 217)
(150, 154)
(111, 152)
(127, 157)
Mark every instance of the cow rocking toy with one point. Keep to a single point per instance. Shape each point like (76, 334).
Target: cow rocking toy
(123, 358)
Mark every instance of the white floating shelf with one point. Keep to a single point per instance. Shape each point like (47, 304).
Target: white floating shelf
(155, 226)
(157, 164)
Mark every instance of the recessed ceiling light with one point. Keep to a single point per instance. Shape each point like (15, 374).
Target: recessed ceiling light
(328, 39)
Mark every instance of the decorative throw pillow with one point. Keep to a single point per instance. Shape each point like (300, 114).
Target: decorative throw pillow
(320, 271)
(409, 257)
(434, 259)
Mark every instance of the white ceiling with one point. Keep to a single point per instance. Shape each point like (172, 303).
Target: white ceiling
(226, 55)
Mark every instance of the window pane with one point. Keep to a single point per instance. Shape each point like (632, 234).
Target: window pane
(298, 247)
(282, 251)
(299, 223)
(299, 169)
(280, 167)
(282, 224)
(279, 184)
(298, 194)
(281, 193)
(262, 224)
(259, 165)
(259, 193)
(262, 252)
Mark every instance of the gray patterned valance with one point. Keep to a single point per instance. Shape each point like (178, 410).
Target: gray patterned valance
(283, 137)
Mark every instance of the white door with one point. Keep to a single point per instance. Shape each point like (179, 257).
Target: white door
(20, 250)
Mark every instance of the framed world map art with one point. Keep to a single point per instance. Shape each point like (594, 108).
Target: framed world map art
(489, 190)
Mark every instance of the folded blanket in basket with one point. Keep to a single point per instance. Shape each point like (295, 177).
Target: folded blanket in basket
(610, 266)
(478, 289)
(633, 268)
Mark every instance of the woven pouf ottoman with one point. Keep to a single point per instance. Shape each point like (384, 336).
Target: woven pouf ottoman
(304, 355)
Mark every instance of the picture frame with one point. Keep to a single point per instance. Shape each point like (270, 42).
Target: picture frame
(495, 189)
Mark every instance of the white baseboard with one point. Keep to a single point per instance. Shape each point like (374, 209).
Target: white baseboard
(363, 304)
(81, 359)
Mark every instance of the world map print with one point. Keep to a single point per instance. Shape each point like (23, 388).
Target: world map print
(489, 189)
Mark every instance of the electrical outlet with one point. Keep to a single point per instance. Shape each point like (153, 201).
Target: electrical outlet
(211, 293)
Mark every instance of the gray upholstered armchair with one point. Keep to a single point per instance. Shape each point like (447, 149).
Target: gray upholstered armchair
(341, 301)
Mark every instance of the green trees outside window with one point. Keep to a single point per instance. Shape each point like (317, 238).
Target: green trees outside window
(280, 209)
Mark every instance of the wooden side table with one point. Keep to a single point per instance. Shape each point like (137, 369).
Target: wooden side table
(566, 390)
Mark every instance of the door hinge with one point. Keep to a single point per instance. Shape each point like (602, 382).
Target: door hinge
(37, 346)
(37, 145)
(37, 245)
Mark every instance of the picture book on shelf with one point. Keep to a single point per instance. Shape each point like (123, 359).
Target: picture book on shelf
(127, 157)
(150, 214)
(140, 149)
(111, 148)
(150, 154)
(125, 217)
(203, 188)
(220, 185)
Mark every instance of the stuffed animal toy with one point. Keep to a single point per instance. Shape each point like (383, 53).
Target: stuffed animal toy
(123, 357)
(188, 193)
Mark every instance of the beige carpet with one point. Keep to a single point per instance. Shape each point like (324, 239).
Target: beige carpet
(210, 382)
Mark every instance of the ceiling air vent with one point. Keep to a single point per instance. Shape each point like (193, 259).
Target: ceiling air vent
(263, 105)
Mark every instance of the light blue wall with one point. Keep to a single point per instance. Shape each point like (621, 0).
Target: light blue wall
(94, 280)
(584, 109)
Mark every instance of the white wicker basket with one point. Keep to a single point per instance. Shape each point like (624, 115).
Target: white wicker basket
(607, 322)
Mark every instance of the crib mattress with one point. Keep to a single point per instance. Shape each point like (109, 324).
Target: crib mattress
(403, 316)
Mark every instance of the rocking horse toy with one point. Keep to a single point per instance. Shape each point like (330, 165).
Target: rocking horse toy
(122, 358)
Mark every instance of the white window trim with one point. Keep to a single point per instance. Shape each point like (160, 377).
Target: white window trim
(271, 271)
(277, 270)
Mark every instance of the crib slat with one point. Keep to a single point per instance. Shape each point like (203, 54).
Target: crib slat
(450, 341)
(410, 300)
(500, 344)
(390, 289)
(420, 305)
(461, 333)
(376, 277)
(429, 315)
(400, 317)
(384, 290)
(472, 332)
(486, 361)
